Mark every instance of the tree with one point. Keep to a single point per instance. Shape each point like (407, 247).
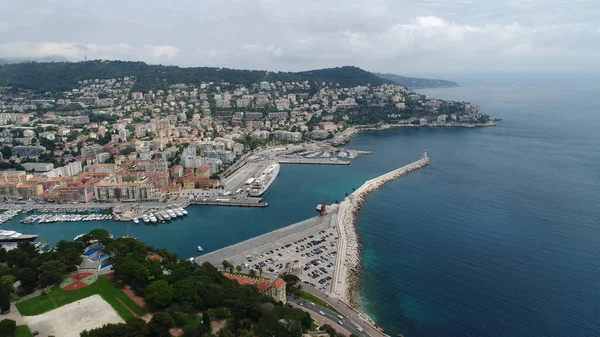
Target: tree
(159, 294)
(160, 324)
(238, 269)
(228, 266)
(101, 235)
(206, 320)
(4, 299)
(8, 281)
(52, 272)
(7, 327)
(28, 278)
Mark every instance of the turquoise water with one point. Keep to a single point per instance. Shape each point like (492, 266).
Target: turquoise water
(499, 236)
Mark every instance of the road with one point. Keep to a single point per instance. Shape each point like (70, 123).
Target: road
(347, 325)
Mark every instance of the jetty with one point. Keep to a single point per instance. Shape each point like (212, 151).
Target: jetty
(348, 258)
(317, 161)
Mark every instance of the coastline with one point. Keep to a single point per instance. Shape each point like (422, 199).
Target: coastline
(348, 259)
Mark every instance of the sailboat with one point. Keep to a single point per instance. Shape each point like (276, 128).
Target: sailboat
(128, 235)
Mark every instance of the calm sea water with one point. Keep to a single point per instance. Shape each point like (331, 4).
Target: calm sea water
(499, 236)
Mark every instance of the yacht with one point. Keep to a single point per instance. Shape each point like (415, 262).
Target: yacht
(12, 236)
(200, 248)
(153, 218)
(178, 212)
(171, 214)
(165, 216)
(145, 218)
(182, 210)
(136, 220)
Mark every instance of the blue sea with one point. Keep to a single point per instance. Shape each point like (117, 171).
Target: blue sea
(499, 236)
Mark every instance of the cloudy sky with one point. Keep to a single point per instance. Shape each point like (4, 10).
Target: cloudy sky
(406, 37)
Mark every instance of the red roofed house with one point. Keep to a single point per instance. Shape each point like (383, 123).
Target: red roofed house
(275, 289)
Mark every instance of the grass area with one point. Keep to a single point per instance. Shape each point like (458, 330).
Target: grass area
(313, 325)
(23, 331)
(57, 297)
(312, 298)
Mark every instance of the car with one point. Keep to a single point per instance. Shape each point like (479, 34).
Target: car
(340, 322)
(340, 317)
(322, 313)
(311, 303)
(359, 329)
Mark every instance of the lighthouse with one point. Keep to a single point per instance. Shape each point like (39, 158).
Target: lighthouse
(424, 154)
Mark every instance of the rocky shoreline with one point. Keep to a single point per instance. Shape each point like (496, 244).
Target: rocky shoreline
(349, 257)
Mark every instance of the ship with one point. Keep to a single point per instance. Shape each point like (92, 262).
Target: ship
(262, 183)
(12, 236)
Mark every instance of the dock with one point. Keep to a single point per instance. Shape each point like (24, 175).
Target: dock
(244, 202)
(315, 161)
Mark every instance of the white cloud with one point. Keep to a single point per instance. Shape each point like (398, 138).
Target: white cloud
(4, 27)
(384, 35)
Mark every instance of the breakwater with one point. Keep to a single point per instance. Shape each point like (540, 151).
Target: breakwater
(348, 259)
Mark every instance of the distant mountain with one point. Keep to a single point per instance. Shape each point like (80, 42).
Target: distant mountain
(3, 61)
(416, 83)
(61, 76)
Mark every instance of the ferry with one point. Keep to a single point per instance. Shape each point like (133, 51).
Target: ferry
(265, 180)
(200, 248)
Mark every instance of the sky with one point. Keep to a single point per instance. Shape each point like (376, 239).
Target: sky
(403, 37)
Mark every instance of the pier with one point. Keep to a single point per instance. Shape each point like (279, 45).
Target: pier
(231, 203)
(348, 258)
(316, 161)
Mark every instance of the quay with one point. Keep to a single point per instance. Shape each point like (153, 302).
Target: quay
(232, 203)
(317, 161)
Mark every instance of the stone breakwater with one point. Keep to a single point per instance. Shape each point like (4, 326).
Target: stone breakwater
(349, 252)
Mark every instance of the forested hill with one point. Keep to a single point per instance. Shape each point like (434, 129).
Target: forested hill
(61, 76)
(416, 83)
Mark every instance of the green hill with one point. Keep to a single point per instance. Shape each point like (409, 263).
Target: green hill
(416, 83)
(61, 76)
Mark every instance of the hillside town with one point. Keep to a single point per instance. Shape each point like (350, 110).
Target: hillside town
(103, 142)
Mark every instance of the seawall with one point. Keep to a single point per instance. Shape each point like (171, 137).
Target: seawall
(348, 259)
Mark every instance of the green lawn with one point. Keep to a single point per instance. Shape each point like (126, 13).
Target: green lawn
(57, 297)
(312, 298)
(23, 331)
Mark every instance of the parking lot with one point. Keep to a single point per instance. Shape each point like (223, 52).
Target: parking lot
(310, 255)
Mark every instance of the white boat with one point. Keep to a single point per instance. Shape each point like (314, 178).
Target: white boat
(182, 210)
(136, 220)
(171, 214)
(265, 180)
(200, 248)
(178, 212)
(165, 216)
(12, 236)
(153, 219)
(145, 218)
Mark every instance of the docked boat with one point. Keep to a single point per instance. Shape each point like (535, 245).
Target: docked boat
(178, 212)
(200, 248)
(182, 210)
(171, 214)
(13, 236)
(145, 218)
(165, 216)
(153, 219)
(262, 183)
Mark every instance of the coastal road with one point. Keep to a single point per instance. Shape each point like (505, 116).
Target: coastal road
(347, 325)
